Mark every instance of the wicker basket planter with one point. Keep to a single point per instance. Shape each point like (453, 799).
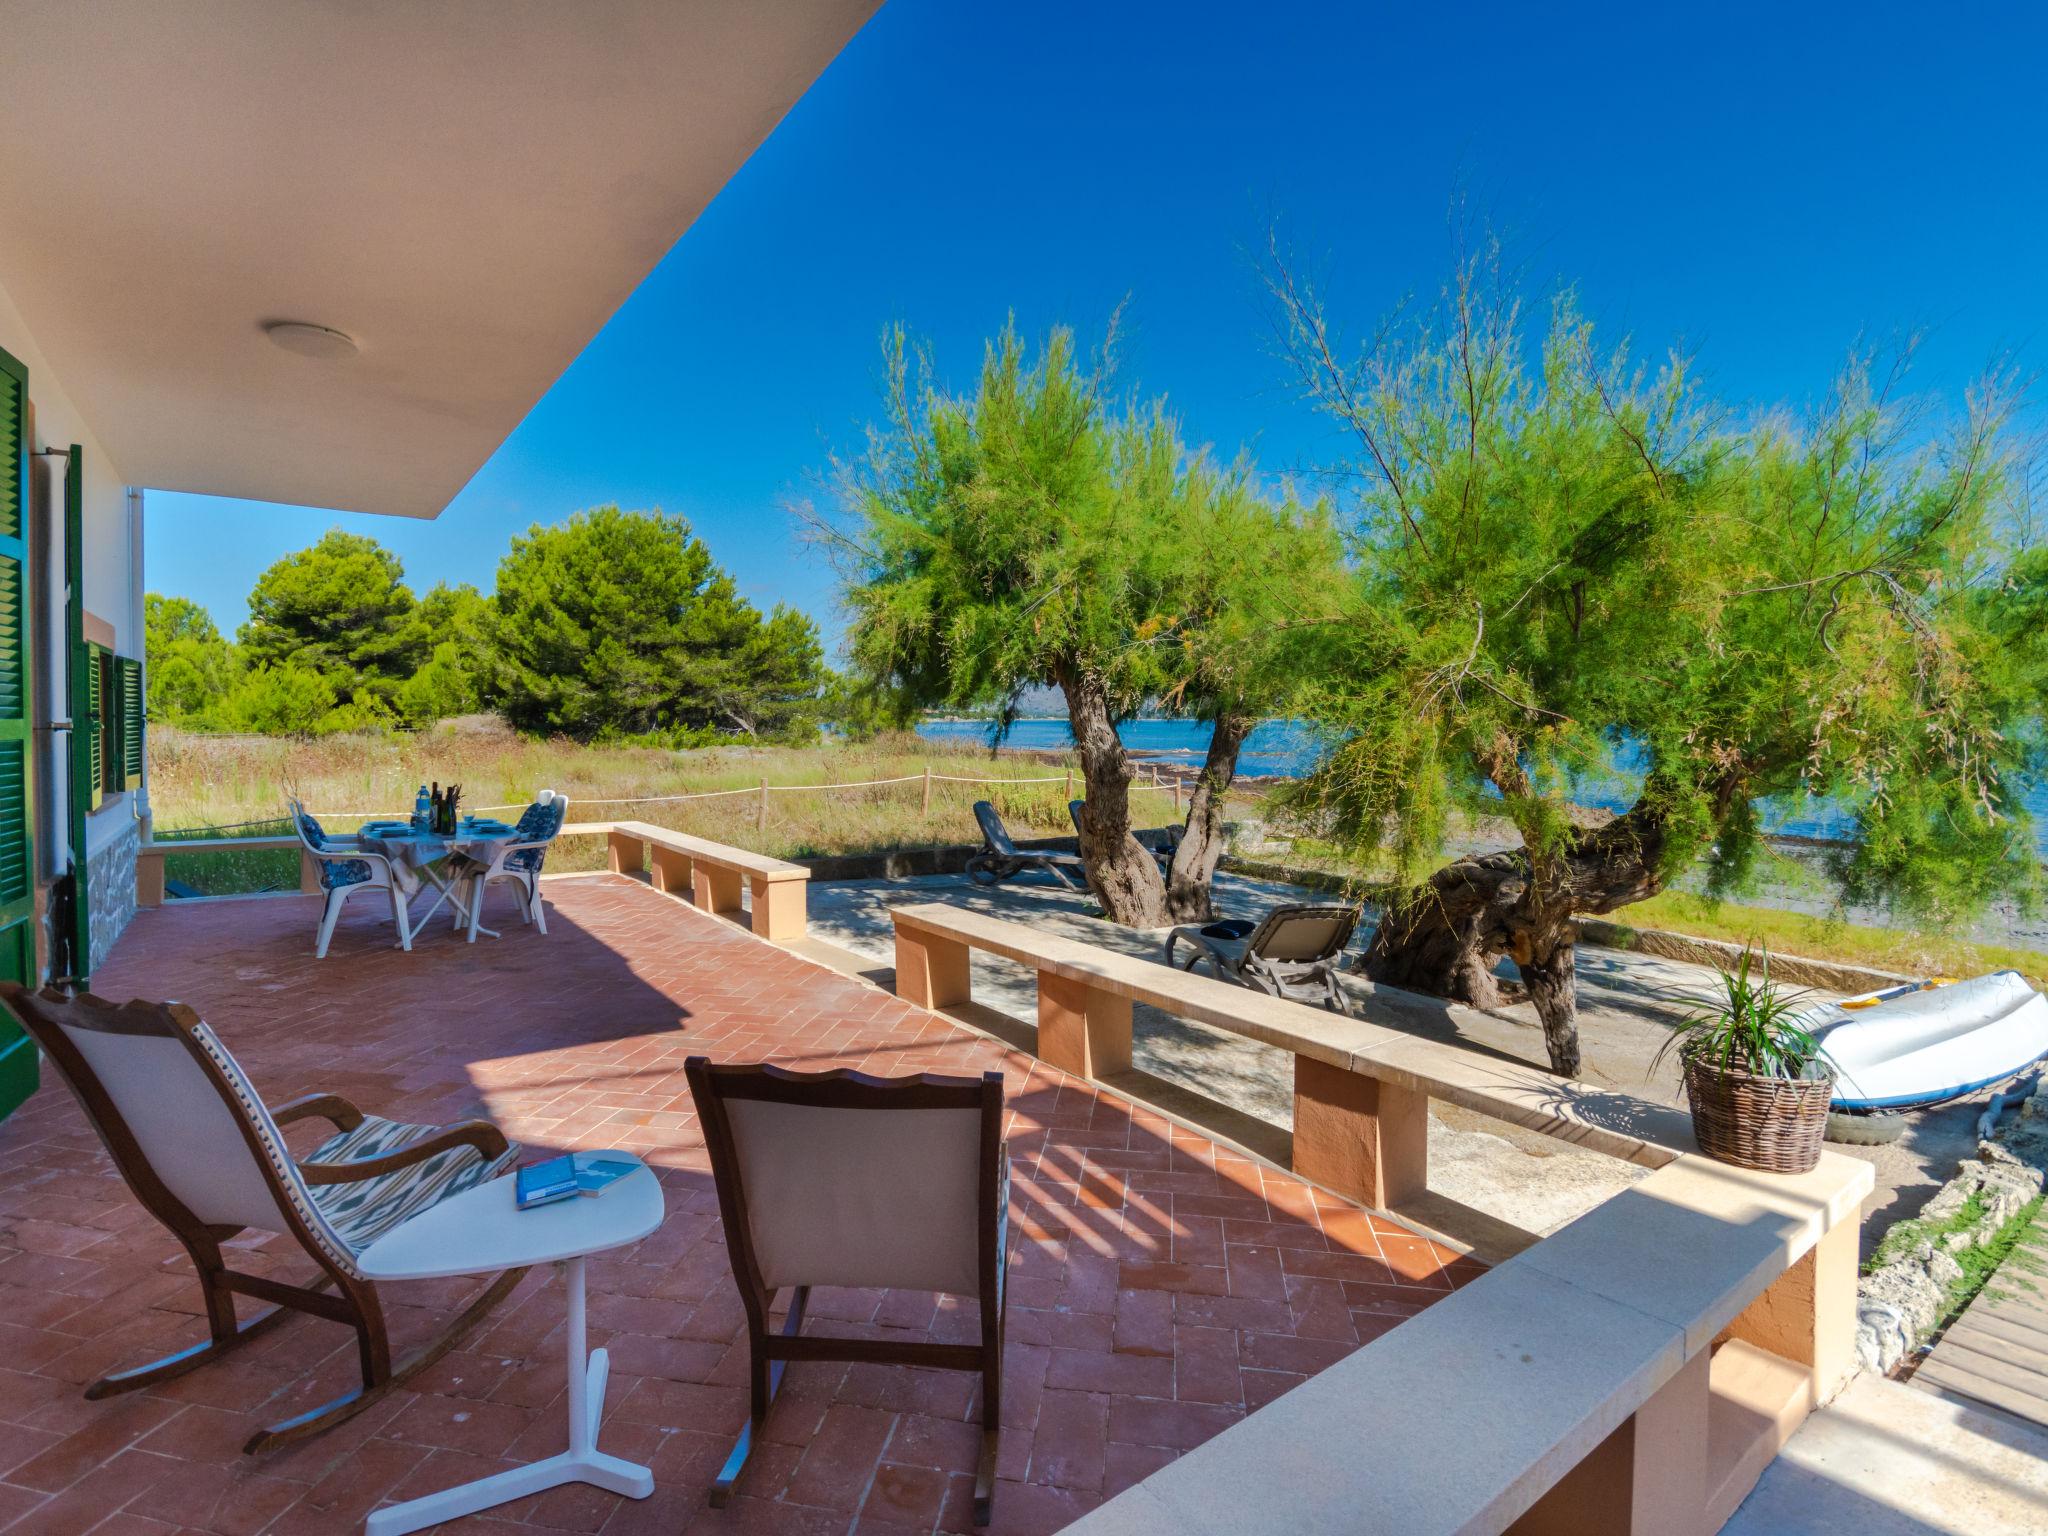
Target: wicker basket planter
(1770, 1123)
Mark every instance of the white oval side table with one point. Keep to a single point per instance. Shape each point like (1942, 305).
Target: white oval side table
(481, 1231)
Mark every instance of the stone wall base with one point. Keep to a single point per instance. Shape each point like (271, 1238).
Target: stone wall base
(110, 889)
(1899, 1306)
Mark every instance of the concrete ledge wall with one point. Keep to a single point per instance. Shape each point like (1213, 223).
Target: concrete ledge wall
(938, 859)
(1723, 956)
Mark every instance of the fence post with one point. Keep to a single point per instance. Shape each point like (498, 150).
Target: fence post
(1070, 781)
(927, 790)
(1176, 794)
(761, 816)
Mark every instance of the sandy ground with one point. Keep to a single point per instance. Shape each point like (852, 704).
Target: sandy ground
(1628, 1004)
(1885, 1459)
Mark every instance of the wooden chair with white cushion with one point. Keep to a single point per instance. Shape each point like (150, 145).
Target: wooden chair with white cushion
(345, 867)
(841, 1179)
(205, 1156)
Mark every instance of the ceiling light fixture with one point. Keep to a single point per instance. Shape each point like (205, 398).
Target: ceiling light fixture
(309, 340)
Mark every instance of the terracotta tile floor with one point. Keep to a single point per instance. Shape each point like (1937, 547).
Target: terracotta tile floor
(1160, 1286)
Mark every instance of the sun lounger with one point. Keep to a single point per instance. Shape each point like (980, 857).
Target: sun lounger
(1000, 857)
(1295, 949)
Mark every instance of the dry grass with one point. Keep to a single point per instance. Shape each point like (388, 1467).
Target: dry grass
(216, 781)
(219, 781)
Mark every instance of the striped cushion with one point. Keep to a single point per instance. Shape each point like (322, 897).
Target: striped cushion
(359, 1214)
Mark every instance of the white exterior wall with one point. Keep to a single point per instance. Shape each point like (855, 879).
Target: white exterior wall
(113, 554)
(112, 571)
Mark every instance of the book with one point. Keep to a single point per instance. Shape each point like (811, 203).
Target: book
(569, 1175)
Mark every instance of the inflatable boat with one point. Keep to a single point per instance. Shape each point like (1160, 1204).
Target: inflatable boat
(1924, 1043)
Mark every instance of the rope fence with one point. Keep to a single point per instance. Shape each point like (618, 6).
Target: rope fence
(1157, 777)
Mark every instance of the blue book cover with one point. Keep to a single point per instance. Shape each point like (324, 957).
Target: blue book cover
(571, 1174)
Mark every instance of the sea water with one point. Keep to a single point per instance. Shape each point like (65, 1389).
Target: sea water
(1289, 749)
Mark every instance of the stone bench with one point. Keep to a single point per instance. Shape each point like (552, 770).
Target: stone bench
(1361, 1089)
(712, 874)
(1633, 1373)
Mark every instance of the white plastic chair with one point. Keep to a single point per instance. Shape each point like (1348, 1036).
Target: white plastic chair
(519, 863)
(346, 867)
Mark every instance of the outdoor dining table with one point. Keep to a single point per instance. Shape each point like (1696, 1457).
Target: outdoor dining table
(409, 848)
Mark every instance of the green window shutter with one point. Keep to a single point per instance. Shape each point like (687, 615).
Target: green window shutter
(17, 785)
(13, 447)
(131, 719)
(78, 699)
(95, 721)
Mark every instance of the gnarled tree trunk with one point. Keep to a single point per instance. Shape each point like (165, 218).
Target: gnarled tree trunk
(1446, 937)
(1120, 870)
(1188, 880)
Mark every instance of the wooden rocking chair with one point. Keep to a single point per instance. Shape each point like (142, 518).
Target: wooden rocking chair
(838, 1178)
(203, 1154)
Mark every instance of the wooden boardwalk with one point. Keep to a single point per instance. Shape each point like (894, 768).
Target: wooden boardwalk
(1997, 1351)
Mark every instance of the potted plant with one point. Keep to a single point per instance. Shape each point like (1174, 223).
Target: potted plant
(1754, 1076)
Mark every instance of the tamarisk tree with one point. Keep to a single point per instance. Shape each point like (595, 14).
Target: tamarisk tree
(1564, 559)
(1029, 536)
(1245, 644)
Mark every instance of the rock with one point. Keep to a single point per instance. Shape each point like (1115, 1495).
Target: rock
(1250, 836)
(1884, 1337)
(2025, 1138)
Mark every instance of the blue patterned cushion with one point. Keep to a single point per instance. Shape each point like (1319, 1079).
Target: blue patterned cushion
(537, 823)
(311, 830)
(335, 873)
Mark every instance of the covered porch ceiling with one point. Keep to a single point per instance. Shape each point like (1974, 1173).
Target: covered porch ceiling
(467, 189)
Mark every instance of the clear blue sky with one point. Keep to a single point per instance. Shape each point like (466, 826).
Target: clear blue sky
(1758, 185)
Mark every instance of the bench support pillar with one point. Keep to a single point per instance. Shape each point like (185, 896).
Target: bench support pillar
(1082, 1029)
(625, 854)
(309, 873)
(1365, 1139)
(779, 910)
(715, 889)
(149, 879)
(1808, 1315)
(931, 972)
(1648, 1478)
(670, 870)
